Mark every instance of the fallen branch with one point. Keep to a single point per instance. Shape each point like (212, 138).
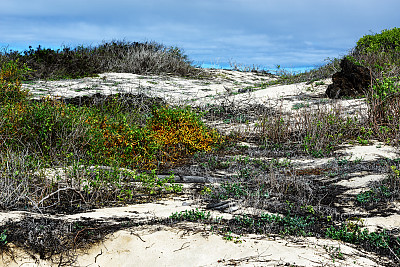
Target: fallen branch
(58, 191)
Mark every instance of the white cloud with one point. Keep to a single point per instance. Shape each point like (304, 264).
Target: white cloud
(247, 31)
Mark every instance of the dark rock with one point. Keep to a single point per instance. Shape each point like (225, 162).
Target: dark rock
(223, 206)
(351, 81)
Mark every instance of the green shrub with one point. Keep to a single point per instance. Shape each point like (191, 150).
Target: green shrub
(380, 53)
(97, 135)
(387, 40)
(11, 75)
(181, 132)
(113, 141)
(48, 128)
(58, 64)
(385, 88)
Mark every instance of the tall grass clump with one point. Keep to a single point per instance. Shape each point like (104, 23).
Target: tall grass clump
(114, 56)
(315, 131)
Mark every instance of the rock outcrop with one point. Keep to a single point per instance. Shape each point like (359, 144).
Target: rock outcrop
(351, 81)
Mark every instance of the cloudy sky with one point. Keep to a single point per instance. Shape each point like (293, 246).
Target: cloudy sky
(289, 33)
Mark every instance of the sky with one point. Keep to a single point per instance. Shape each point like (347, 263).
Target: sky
(265, 33)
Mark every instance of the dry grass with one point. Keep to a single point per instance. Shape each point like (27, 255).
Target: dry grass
(317, 130)
(114, 56)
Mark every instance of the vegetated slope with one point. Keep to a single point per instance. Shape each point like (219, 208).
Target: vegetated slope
(114, 56)
(111, 133)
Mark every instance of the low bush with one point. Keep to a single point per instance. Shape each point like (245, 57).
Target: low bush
(380, 53)
(181, 132)
(11, 75)
(99, 135)
(384, 109)
(387, 40)
(114, 56)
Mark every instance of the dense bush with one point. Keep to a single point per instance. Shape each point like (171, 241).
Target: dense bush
(387, 40)
(98, 135)
(380, 53)
(115, 56)
(10, 82)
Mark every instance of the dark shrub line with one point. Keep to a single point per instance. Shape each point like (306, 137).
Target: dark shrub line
(114, 56)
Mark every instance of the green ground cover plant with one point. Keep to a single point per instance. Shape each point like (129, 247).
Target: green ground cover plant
(192, 216)
(352, 232)
(388, 189)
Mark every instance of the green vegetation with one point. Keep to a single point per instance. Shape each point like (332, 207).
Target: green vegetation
(383, 191)
(352, 232)
(51, 133)
(191, 216)
(10, 82)
(265, 223)
(114, 151)
(114, 56)
(373, 195)
(283, 225)
(380, 52)
(3, 238)
(387, 40)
